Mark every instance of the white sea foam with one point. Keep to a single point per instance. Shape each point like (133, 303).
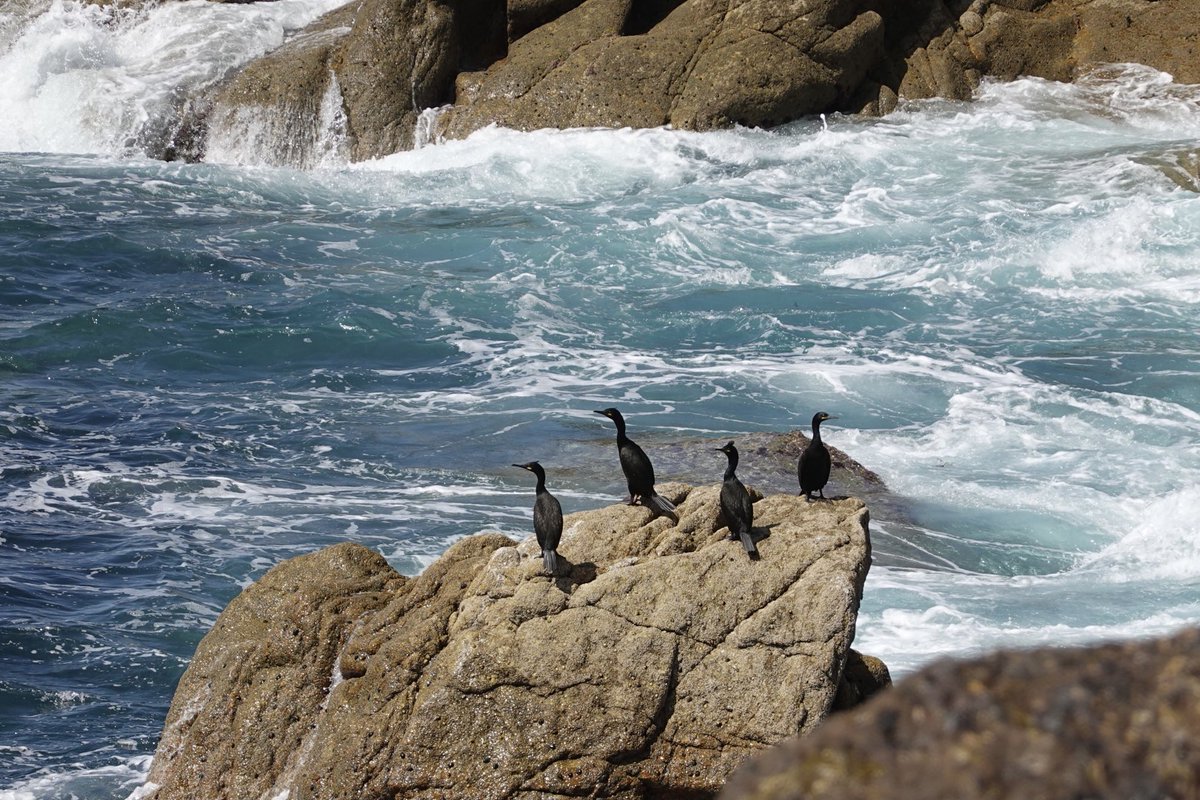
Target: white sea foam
(88, 78)
(912, 616)
(108, 781)
(496, 165)
(1162, 544)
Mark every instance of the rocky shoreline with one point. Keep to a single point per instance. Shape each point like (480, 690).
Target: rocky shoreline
(371, 67)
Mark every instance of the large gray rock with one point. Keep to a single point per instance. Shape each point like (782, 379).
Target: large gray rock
(651, 667)
(402, 56)
(1113, 722)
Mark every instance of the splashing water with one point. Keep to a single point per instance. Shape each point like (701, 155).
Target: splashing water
(102, 79)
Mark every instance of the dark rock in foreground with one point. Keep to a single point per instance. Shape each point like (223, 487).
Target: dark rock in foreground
(1113, 722)
(653, 668)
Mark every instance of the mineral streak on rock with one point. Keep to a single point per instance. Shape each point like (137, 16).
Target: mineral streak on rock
(657, 662)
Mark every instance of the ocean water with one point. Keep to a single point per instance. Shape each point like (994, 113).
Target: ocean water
(208, 368)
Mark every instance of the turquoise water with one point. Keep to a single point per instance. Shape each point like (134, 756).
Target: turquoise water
(209, 368)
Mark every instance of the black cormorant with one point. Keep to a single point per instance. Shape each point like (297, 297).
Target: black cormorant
(547, 518)
(639, 473)
(813, 468)
(736, 505)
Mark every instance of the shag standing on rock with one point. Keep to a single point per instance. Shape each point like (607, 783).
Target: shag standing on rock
(813, 468)
(547, 518)
(639, 473)
(736, 505)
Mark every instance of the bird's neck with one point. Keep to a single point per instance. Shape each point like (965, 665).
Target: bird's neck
(541, 484)
(731, 467)
(816, 433)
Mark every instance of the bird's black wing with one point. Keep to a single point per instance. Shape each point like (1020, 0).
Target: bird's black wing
(639, 472)
(738, 510)
(547, 521)
(813, 468)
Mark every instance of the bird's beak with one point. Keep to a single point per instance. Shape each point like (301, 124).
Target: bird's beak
(601, 413)
(519, 466)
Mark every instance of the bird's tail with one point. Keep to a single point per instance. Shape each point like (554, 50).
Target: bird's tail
(550, 561)
(660, 504)
(748, 543)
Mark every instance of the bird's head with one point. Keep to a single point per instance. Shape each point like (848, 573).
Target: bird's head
(536, 469)
(820, 417)
(728, 449)
(611, 413)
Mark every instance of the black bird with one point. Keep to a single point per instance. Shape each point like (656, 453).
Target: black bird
(736, 505)
(547, 518)
(639, 473)
(813, 467)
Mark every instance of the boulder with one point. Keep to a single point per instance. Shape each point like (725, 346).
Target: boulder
(699, 64)
(1164, 34)
(656, 661)
(402, 56)
(1109, 723)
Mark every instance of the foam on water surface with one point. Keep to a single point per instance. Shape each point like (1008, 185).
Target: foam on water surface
(119, 780)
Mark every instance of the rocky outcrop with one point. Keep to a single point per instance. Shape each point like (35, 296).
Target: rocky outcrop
(694, 64)
(1110, 723)
(705, 64)
(657, 661)
(1052, 39)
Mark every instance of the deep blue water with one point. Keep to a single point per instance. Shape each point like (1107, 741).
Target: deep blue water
(205, 369)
